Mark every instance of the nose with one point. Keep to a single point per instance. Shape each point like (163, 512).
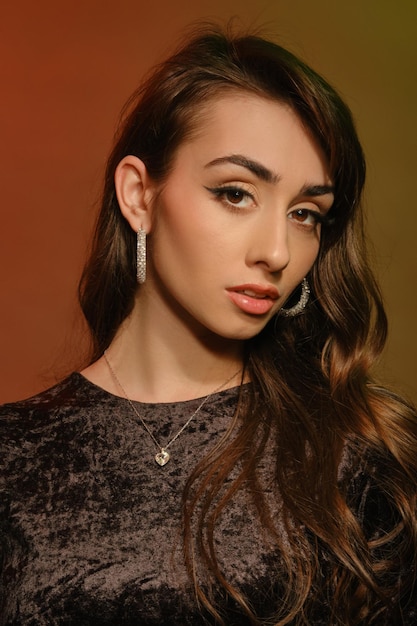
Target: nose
(269, 245)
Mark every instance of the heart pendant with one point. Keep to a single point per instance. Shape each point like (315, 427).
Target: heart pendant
(162, 457)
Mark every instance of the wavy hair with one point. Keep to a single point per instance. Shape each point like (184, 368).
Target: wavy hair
(312, 396)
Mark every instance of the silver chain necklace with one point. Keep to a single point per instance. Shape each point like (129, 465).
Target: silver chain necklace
(162, 456)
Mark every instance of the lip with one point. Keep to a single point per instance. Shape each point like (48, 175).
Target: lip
(252, 298)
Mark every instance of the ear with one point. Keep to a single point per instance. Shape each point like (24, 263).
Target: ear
(135, 191)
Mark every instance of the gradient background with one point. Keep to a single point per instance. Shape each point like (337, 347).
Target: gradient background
(66, 69)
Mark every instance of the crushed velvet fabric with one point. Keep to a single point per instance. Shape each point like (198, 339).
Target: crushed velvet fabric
(90, 524)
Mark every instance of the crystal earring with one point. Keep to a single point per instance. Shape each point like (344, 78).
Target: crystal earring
(141, 256)
(298, 308)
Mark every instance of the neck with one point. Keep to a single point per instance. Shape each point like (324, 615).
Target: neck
(160, 360)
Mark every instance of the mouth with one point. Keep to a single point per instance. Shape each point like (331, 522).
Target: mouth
(253, 299)
(252, 294)
(256, 291)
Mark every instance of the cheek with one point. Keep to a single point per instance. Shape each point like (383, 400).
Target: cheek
(177, 239)
(306, 250)
(185, 223)
(310, 261)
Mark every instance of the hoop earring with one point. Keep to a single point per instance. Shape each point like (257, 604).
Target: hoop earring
(298, 308)
(141, 256)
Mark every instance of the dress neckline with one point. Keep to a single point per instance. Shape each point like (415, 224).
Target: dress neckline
(223, 393)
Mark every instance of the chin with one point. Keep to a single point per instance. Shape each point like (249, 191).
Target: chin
(243, 334)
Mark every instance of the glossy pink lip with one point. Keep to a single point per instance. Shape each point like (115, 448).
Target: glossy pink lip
(253, 299)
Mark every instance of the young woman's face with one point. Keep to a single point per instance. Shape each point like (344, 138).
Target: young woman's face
(237, 223)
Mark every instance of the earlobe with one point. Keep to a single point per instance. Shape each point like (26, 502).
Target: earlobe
(134, 191)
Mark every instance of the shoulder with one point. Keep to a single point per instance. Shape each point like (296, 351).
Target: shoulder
(49, 421)
(69, 393)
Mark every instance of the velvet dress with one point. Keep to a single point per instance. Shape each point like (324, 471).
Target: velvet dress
(90, 524)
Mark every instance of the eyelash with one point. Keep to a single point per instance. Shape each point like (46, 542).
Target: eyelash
(221, 194)
(319, 219)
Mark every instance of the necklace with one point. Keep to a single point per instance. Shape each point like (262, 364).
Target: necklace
(162, 456)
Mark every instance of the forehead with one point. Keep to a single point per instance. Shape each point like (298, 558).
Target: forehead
(266, 130)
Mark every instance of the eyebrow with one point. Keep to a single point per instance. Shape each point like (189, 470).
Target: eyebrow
(256, 168)
(317, 190)
(263, 173)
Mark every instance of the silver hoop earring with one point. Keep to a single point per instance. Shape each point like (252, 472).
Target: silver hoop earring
(141, 256)
(298, 308)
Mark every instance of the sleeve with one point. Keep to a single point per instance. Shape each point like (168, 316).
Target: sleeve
(12, 546)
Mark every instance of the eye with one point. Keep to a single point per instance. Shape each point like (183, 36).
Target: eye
(233, 196)
(307, 217)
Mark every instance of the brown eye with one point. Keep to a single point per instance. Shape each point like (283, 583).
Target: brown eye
(306, 217)
(301, 215)
(235, 196)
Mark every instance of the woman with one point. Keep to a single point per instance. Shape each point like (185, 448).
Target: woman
(226, 457)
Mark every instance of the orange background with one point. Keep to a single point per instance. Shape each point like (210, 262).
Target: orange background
(66, 69)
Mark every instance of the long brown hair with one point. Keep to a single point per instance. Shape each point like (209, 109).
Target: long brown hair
(310, 372)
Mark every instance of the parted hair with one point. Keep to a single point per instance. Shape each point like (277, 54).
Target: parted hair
(312, 394)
